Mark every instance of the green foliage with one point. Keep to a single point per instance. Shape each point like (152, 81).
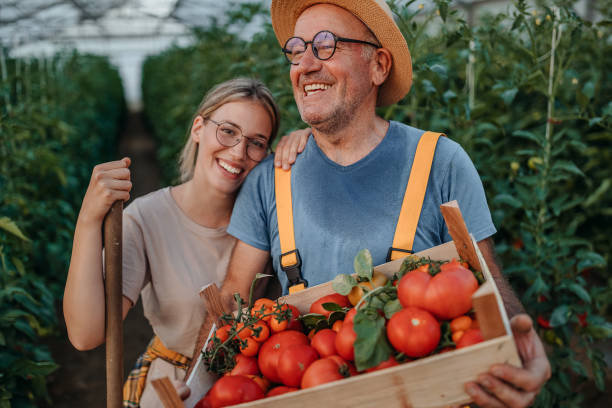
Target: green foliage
(58, 118)
(543, 155)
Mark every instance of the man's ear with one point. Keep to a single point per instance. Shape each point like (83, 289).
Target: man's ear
(381, 66)
(196, 128)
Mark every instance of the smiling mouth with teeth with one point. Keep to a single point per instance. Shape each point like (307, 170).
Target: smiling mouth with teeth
(229, 168)
(312, 88)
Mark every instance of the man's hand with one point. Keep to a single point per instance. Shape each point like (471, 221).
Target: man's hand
(289, 147)
(508, 386)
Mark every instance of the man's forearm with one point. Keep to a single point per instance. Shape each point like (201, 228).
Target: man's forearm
(512, 304)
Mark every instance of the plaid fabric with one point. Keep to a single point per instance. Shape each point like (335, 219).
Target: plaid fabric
(137, 379)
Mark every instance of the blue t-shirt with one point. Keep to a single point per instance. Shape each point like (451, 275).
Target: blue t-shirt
(340, 210)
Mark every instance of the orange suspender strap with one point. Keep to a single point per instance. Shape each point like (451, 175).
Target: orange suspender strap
(405, 231)
(290, 261)
(414, 196)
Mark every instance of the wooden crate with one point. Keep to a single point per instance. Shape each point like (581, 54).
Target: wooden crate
(435, 381)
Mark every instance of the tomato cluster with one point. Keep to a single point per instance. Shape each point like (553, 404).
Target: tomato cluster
(429, 300)
(270, 353)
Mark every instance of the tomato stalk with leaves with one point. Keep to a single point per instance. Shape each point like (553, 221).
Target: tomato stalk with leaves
(230, 339)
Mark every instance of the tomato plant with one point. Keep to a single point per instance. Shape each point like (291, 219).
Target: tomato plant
(59, 116)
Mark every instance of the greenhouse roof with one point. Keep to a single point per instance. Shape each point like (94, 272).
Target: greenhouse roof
(28, 21)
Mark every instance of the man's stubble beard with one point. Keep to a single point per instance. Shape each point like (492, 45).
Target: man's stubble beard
(334, 122)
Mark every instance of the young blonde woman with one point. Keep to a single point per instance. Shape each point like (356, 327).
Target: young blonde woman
(174, 239)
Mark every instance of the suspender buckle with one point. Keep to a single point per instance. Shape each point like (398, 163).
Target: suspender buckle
(291, 264)
(391, 250)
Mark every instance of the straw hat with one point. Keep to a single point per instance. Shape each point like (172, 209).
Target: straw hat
(377, 16)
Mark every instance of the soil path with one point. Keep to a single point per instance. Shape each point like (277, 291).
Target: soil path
(81, 378)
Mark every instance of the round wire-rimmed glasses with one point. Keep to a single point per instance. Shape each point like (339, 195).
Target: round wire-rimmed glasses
(323, 46)
(230, 134)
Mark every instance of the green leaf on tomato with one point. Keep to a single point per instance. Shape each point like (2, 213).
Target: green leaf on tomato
(332, 307)
(343, 284)
(363, 264)
(392, 307)
(312, 320)
(371, 345)
(335, 316)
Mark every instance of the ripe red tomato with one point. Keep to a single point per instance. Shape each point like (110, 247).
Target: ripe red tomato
(263, 306)
(222, 333)
(345, 365)
(293, 361)
(337, 325)
(251, 347)
(387, 363)
(278, 325)
(323, 371)
(340, 300)
(324, 342)
(271, 349)
(245, 366)
(545, 323)
(281, 389)
(461, 323)
(470, 336)
(263, 382)
(231, 390)
(243, 332)
(204, 402)
(350, 316)
(413, 331)
(345, 340)
(446, 295)
(264, 332)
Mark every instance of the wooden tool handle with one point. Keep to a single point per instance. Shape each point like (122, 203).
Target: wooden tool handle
(166, 393)
(212, 299)
(113, 226)
(214, 310)
(460, 234)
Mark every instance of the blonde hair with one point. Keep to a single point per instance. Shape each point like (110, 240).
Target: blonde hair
(238, 89)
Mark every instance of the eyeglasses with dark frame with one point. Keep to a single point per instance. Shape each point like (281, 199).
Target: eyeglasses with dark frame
(229, 135)
(323, 46)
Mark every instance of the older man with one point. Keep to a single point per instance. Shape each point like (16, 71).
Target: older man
(348, 189)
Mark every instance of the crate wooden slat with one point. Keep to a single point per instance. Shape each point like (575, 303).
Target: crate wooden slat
(432, 382)
(167, 393)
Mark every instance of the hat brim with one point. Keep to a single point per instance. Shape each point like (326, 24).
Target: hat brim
(286, 12)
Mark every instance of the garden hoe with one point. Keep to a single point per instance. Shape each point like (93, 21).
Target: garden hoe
(113, 226)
